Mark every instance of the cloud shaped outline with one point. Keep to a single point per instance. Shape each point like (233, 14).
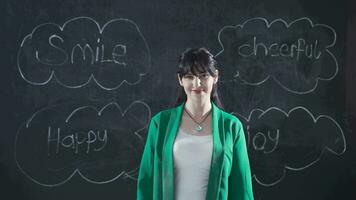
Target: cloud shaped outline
(287, 25)
(287, 114)
(91, 77)
(130, 174)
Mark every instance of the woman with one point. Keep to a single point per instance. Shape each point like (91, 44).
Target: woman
(195, 151)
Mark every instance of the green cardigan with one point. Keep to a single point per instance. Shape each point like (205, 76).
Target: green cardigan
(229, 177)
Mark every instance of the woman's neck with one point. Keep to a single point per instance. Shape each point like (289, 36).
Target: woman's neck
(198, 109)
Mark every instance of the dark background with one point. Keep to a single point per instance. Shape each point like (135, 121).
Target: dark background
(309, 162)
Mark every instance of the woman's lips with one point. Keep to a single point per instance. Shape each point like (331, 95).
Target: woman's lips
(197, 91)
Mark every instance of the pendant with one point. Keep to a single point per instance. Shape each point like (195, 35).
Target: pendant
(199, 128)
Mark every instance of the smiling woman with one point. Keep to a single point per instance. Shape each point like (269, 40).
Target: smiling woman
(195, 150)
(197, 71)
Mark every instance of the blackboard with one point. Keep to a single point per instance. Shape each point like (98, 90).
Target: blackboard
(81, 80)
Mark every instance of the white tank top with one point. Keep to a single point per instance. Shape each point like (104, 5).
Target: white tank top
(192, 159)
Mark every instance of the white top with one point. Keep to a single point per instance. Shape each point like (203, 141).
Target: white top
(192, 159)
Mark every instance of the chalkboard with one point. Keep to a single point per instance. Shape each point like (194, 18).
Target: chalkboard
(82, 79)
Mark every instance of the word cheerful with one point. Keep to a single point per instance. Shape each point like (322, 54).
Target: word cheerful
(296, 50)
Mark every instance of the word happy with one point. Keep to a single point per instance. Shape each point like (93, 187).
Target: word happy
(89, 141)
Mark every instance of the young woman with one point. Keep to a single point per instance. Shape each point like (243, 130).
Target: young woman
(195, 151)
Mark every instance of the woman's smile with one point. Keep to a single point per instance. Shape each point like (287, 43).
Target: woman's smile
(198, 91)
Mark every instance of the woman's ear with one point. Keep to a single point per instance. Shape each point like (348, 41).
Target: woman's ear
(180, 81)
(216, 77)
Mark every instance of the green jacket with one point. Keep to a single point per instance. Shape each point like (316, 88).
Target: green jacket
(230, 176)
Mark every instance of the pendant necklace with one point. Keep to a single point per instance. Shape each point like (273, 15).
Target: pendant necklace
(199, 128)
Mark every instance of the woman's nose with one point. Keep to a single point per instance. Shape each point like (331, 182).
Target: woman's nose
(196, 82)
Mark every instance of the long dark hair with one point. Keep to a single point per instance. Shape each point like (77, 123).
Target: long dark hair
(197, 61)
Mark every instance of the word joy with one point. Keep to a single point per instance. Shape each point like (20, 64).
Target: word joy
(88, 141)
(262, 141)
(293, 50)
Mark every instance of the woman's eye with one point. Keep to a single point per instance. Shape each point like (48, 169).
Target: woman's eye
(189, 76)
(205, 76)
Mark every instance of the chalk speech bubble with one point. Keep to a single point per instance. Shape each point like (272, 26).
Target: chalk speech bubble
(293, 140)
(99, 145)
(296, 55)
(80, 51)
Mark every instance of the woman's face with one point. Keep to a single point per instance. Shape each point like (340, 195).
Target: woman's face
(199, 87)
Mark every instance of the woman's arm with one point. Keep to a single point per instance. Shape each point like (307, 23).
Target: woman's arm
(240, 184)
(145, 176)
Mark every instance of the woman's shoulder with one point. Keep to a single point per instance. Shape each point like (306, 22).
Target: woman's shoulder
(165, 113)
(233, 124)
(230, 117)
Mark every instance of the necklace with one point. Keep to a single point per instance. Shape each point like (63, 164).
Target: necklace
(199, 128)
